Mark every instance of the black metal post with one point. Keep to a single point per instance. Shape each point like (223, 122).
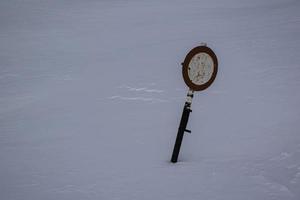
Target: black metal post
(182, 126)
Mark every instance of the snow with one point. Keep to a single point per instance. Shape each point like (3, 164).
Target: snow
(91, 94)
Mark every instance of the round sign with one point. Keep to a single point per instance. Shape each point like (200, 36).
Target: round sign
(200, 68)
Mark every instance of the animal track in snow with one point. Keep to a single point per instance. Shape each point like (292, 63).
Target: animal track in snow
(152, 100)
(146, 93)
(142, 94)
(142, 89)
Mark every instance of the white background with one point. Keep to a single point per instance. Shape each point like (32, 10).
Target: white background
(91, 95)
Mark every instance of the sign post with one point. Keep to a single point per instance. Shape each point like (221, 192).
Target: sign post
(199, 70)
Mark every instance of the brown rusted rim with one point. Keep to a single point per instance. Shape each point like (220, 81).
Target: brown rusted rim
(186, 62)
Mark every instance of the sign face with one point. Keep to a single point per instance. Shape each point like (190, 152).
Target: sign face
(200, 68)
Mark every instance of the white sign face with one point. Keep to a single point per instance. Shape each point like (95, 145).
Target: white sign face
(200, 68)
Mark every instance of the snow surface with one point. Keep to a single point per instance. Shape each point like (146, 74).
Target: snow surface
(91, 94)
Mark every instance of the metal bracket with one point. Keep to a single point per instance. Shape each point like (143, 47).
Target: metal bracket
(188, 131)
